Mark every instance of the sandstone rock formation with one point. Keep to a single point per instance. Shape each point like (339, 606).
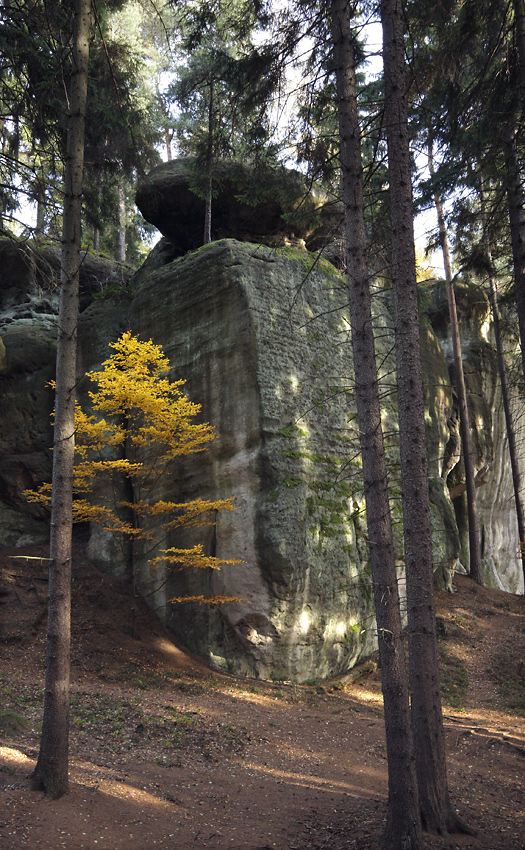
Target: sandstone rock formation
(262, 338)
(497, 520)
(273, 207)
(29, 280)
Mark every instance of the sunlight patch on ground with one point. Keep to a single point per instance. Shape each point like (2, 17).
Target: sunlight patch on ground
(14, 758)
(258, 699)
(367, 697)
(170, 651)
(306, 780)
(491, 721)
(130, 793)
(101, 779)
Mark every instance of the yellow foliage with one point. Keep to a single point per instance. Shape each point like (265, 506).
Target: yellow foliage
(206, 600)
(189, 558)
(148, 422)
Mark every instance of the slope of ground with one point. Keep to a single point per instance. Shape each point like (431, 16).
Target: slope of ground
(168, 754)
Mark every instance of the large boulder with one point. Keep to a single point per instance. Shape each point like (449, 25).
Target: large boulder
(29, 286)
(27, 364)
(494, 488)
(270, 206)
(30, 282)
(261, 337)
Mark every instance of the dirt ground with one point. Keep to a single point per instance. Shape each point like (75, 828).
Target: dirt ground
(167, 753)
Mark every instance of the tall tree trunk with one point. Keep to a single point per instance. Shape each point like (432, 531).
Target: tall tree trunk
(100, 175)
(168, 136)
(519, 18)
(509, 425)
(464, 418)
(515, 200)
(121, 220)
(209, 166)
(403, 827)
(437, 813)
(40, 208)
(51, 771)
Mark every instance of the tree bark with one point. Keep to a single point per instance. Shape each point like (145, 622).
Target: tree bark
(51, 771)
(209, 165)
(515, 201)
(475, 569)
(437, 813)
(519, 17)
(121, 220)
(40, 209)
(509, 425)
(403, 827)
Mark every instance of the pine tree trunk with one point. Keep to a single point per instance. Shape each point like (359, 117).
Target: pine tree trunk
(51, 772)
(437, 812)
(403, 827)
(40, 210)
(519, 17)
(511, 437)
(464, 418)
(209, 166)
(515, 200)
(121, 220)
(168, 135)
(96, 227)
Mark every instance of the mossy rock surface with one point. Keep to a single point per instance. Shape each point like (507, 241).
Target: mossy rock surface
(11, 722)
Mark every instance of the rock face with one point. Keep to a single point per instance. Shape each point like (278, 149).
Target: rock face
(26, 367)
(29, 280)
(262, 338)
(496, 514)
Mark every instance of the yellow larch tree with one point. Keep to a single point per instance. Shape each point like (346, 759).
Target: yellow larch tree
(141, 424)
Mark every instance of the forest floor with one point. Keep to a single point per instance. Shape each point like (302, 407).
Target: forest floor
(167, 753)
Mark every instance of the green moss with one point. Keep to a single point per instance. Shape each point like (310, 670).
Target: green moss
(293, 454)
(11, 722)
(310, 261)
(506, 671)
(292, 481)
(291, 430)
(272, 497)
(118, 291)
(454, 679)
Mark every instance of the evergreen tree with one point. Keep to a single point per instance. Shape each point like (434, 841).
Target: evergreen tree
(51, 771)
(437, 812)
(222, 91)
(475, 108)
(123, 124)
(403, 827)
